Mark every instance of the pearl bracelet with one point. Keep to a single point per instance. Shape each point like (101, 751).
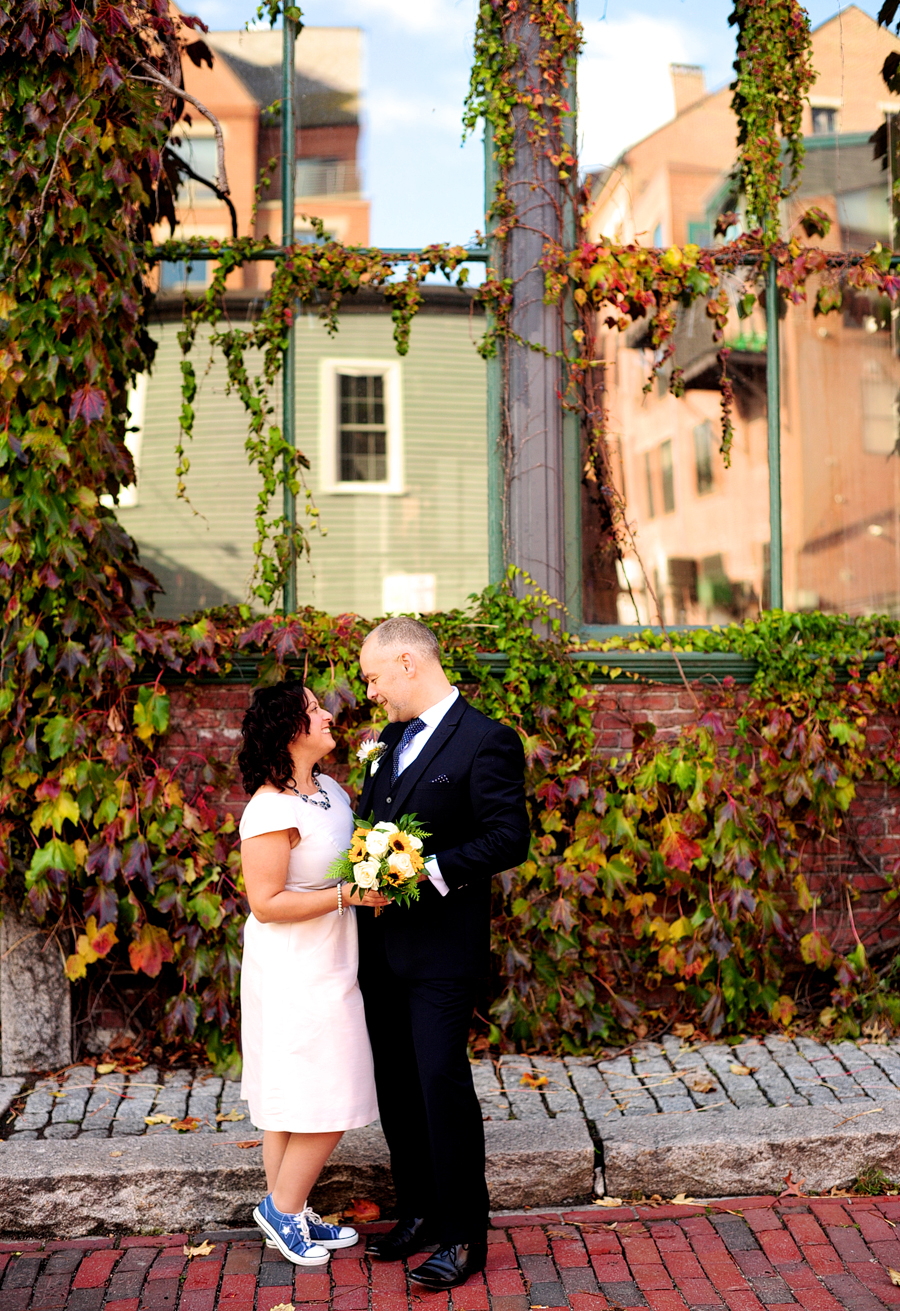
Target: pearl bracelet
(340, 899)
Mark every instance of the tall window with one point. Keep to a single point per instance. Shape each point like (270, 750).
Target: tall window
(703, 461)
(648, 481)
(361, 426)
(362, 440)
(668, 477)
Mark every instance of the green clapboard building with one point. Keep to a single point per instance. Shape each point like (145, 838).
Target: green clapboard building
(397, 447)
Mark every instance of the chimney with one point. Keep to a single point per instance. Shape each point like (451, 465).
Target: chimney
(689, 85)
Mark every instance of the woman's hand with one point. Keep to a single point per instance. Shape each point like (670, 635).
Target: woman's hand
(375, 900)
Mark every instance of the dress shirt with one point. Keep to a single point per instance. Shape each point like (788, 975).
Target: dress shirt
(430, 718)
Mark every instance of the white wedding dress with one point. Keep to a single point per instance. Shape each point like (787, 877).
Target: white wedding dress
(307, 1059)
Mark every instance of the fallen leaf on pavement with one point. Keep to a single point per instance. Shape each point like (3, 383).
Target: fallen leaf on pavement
(840, 1192)
(117, 1153)
(792, 1189)
(158, 1119)
(895, 1275)
(106, 1068)
(607, 1201)
(187, 1125)
(533, 1079)
(231, 1118)
(684, 1030)
(361, 1211)
(283, 1306)
(703, 1084)
(202, 1249)
(251, 1142)
(681, 1199)
(331, 1219)
(743, 1069)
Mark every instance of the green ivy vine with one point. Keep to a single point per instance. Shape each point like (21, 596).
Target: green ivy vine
(666, 883)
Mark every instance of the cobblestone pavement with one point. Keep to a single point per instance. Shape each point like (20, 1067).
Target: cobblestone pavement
(651, 1078)
(745, 1254)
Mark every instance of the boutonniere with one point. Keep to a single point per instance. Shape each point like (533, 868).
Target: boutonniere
(370, 754)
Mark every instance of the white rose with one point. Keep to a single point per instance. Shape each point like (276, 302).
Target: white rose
(400, 863)
(366, 874)
(385, 827)
(415, 843)
(377, 843)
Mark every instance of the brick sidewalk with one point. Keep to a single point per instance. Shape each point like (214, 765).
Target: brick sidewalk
(816, 1253)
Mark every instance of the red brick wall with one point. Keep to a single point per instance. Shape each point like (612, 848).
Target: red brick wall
(206, 728)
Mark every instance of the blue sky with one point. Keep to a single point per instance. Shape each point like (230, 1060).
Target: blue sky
(424, 186)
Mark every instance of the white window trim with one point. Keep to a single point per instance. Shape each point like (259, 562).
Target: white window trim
(137, 404)
(328, 425)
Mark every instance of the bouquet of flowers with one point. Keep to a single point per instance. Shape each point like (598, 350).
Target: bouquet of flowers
(386, 857)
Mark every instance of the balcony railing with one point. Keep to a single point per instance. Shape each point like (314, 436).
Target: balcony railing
(327, 177)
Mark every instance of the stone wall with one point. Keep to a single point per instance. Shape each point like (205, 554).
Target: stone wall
(206, 727)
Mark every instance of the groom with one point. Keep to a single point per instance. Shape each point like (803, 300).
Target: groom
(462, 775)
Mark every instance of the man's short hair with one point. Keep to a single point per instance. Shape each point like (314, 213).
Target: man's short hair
(401, 631)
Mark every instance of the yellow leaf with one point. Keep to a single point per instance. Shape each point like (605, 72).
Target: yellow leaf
(533, 1079)
(742, 1069)
(158, 1119)
(683, 1030)
(681, 1199)
(109, 1066)
(283, 1306)
(75, 967)
(203, 1249)
(231, 1118)
(192, 820)
(607, 1201)
(117, 1153)
(895, 1275)
(80, 847)
(703, 1084)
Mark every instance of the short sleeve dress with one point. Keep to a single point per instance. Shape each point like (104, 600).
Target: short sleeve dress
(307, 1059)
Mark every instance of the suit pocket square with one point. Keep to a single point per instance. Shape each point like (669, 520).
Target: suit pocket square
(441, 778)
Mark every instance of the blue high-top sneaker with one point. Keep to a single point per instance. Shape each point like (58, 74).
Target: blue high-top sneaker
(330, 1236)
(324, 1235)
(287, 1234)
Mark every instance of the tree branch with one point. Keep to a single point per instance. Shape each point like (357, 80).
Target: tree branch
(157, 77)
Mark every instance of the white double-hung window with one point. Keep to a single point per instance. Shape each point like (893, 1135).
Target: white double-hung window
(361, 426)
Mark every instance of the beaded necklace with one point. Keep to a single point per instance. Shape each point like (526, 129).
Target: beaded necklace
(322, 799)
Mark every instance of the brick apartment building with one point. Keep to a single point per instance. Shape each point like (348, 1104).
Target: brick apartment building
(242, 89)
(702, 529)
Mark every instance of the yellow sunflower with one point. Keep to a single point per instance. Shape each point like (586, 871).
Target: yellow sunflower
(401, 842)
(357, 846)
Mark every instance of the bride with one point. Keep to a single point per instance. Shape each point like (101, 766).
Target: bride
(307, 1061)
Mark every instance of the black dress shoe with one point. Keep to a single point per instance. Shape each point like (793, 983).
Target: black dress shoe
(451, 1266)
(405, 1239)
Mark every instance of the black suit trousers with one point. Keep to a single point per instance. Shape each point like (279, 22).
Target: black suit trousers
(429, 1110)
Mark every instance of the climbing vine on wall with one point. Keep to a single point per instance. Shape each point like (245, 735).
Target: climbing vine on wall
(774, 76)
(127, 856)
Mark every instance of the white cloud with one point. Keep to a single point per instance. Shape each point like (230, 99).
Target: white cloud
(624, 88)
(448, 17)
(389, 110)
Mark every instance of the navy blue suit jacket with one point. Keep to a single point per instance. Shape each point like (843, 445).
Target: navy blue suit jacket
(466, 787)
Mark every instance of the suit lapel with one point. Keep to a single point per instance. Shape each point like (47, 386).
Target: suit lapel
(392, 731)
(411, 775)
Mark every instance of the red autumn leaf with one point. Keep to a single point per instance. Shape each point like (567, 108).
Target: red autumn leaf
(88, 403)
(678, 850)
(150, 950)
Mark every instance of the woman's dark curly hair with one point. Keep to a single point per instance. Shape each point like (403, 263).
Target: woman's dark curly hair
(275, 716)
